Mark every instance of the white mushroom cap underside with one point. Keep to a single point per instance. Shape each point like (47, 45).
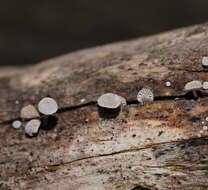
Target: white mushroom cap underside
(145, 95)
(32, 127)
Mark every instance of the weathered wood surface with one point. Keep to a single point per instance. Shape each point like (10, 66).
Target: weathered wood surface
(156, 146)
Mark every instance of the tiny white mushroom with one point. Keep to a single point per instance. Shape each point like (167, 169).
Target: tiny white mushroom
(205, 61)
(82, 100)
(201, 131)
(205, 128)
(205, 85)
(32, 127)
(109, 100)
(29, 112)
(145, 95)
(193, 86)
(47, 106)
(206, 118)
(168, 84)
(16, 124)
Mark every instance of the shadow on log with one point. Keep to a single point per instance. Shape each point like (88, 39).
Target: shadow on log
(140, 188)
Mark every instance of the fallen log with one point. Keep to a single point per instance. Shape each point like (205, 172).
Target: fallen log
(160, 145)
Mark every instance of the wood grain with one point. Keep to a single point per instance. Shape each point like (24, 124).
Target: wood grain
(155, 146)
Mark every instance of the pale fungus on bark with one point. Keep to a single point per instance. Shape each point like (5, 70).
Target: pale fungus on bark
(47, 106)
(193, 86)
(17, 102)
(29, 112)
(82, 100)
(109, 101)
(32, 127)
(168, 84)
(145, 95)
(205, 128)
(205, 85)
(16, 124)
(205, 62)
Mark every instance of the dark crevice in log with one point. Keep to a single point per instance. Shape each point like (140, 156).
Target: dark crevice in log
(139, 187)
(49, 122)
(108, 113)
(66, 109)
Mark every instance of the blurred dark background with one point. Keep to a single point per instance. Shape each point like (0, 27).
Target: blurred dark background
(33, 30)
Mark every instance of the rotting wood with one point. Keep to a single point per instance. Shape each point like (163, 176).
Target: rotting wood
(153, 146)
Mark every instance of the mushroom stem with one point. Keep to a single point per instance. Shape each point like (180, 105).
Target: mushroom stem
(194, 92)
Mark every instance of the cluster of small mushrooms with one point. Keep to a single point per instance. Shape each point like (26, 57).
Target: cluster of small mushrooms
(48, 106)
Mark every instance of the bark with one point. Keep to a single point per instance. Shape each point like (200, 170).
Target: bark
(160, 145)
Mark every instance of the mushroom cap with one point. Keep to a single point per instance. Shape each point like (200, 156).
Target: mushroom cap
(32, 127)
(145, 95)
(193, 85)
(205, 85)
(168, 84)
(205, 61)
(109, 100)
(16, 124)
(205, 128)
(47, 106)
(29, 112)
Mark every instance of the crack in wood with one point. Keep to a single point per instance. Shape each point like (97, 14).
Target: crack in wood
(123, 152)
(179, 167)
(188, 70)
